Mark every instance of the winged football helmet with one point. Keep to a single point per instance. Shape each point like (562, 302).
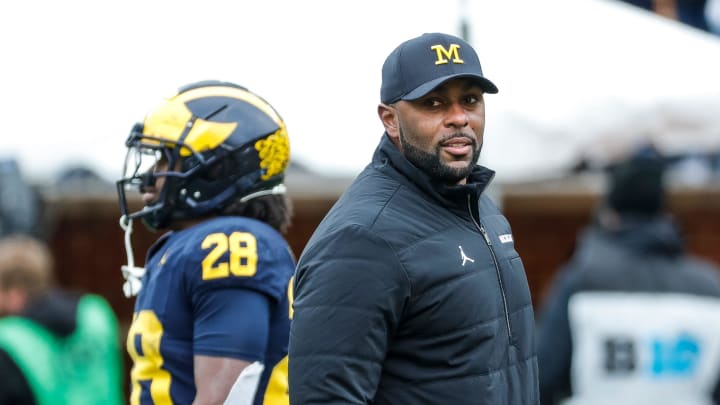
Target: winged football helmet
(219, 142)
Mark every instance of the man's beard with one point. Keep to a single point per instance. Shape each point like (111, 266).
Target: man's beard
(431, 164)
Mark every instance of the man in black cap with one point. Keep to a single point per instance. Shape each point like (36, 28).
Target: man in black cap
(632, 318)
(411, 291)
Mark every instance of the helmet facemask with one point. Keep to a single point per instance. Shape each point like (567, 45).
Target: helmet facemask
(149, 159)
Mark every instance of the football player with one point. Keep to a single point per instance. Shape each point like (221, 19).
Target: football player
(211, 316)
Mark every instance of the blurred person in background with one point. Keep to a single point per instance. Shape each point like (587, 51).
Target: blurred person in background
(21, 210)
(212, 313)
(56, 347)
(632, 318)
(689, 12)
(712, 15)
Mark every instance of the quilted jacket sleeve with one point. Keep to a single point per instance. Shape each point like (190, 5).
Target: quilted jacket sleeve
(350, 290)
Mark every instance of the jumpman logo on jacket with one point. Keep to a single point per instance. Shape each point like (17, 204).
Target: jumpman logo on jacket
(464, 257)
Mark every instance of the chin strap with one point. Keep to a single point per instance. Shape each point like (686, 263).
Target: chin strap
(131, 274)
(279, 189)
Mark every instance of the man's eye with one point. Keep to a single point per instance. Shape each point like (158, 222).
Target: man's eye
(431, 102)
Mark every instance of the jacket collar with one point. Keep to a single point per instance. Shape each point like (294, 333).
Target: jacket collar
(387, 154)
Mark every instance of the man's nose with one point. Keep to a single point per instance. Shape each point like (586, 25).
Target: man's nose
(457, 116)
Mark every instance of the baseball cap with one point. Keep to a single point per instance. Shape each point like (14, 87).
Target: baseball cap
(419, 65)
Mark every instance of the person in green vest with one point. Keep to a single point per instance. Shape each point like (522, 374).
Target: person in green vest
(56, 347)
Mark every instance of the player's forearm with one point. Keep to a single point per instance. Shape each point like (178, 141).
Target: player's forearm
(214, 378)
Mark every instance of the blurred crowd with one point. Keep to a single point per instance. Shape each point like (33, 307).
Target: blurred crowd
(58, 345)
(701, 14)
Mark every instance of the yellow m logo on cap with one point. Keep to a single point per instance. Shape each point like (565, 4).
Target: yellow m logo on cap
(444, 55)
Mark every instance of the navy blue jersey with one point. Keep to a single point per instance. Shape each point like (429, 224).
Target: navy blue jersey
(219, 288)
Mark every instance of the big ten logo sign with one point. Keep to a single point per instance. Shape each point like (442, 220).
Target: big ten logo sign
(675, 356)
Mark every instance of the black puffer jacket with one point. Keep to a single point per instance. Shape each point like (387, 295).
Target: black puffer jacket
(412, 293)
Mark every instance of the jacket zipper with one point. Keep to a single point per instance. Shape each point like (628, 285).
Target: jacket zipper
(488, 242)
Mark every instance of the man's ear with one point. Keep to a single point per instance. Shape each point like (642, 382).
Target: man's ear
(389, 119)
